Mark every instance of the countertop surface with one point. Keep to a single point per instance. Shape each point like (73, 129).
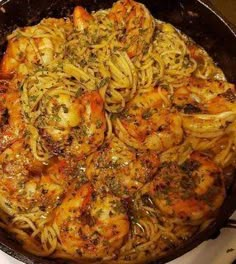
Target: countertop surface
(227, 8)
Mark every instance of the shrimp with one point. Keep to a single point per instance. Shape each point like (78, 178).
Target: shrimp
(205, 96)
(137, 23)
(12, 125)
(206, 68)
(75, 126)
(90, 225)
(121, 168)
(208, 107)
(189, 192)
(208, 126)
(34, 46)
(147, 122)
(23, 184)
(20, 55)
(81, 18)
(224, 102)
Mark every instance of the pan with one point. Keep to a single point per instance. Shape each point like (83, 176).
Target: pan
(196, 18)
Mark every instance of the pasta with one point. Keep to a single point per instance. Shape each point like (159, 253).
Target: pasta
(115, 133)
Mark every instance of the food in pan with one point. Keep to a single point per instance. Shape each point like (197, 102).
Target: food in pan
(116, 134)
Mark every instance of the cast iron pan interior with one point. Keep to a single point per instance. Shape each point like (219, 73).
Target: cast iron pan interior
(195, 18)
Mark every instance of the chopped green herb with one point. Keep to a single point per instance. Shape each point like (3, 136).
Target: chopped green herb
(83, 63)
(78, 92)
(33, 98)
(57, 118)
(84, 131)
(99, 124)
(103, 82)
(20, 87)
(142, 30)
(147, 114)
(65, 109)
(118, 206)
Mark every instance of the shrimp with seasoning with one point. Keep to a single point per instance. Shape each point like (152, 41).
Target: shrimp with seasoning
(23, 184)
(147, 122)
(136, 22)
(12, 125)
(81, 18)
(91, 225)
(120, 168)
(188, 192)
(35, 46)
(75, 126)
(208, 107)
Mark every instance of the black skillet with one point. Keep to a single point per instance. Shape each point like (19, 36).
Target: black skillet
(196, 18)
